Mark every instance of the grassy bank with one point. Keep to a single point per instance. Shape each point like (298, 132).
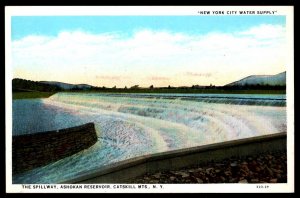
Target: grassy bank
(35, 94)
(32, 94)
(183, 91)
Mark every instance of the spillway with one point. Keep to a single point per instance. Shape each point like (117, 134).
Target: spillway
(130, 125)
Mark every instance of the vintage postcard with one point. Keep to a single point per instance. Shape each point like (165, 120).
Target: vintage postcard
(149, 99)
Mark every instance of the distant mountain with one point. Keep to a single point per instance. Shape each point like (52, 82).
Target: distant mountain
(67, 86)
(262, 80)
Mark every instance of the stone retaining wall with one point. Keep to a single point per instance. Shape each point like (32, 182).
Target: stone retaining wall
(34, 150)
(123, 171)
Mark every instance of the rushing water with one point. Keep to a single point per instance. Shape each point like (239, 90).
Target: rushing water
(130, 125)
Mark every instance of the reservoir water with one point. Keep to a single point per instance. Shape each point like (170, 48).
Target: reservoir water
(130, 125)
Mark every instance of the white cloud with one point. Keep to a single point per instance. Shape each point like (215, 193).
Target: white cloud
(79, 57)
(265, 31)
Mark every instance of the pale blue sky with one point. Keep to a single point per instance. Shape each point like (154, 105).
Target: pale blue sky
(145, 50)
(51, 25)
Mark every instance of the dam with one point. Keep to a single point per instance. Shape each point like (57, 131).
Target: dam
(132, 125)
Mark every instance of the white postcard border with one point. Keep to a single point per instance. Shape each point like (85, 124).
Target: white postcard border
(287, 11)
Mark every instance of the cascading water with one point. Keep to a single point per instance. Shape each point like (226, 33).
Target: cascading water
(130, 125)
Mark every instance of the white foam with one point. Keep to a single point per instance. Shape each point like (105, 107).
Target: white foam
(133, 126)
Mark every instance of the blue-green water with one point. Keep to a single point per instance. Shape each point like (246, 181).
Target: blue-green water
(130, 125)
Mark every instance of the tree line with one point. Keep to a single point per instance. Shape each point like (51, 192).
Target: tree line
(29, 85)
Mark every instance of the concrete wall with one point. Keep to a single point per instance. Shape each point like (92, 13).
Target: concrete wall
(38, 149)
(120, 172)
